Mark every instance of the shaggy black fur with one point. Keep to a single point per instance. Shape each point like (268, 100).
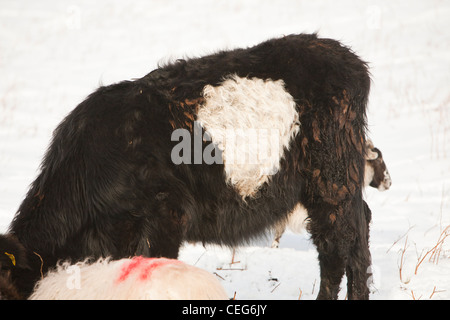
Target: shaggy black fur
(108, 187)
(8, 288)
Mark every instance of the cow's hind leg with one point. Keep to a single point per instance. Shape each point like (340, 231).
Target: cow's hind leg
(333, 233)
(358, 265)
(340, 234)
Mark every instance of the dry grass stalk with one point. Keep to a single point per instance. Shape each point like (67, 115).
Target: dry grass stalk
(402, 259)
(414, 298)
(232, 269)
(436, 250)
(395, 242)
(275, 287)
(435, 291)
(219, 276)
(232, 258)
(42, 263)
(436, 253)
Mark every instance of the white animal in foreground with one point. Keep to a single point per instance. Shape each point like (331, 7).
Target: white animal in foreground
(129, 279)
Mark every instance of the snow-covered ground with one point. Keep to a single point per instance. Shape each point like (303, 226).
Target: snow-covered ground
(54, 53)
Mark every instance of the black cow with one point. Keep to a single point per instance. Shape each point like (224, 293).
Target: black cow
(120, 178)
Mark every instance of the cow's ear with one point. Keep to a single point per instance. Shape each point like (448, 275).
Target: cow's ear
(371, 155)
(12, 253)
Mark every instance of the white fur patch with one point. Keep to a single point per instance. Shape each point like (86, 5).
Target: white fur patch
(295, 222)
(128, 279)
(387, 182)
(251, 121)
(368, 174)
(297, 219)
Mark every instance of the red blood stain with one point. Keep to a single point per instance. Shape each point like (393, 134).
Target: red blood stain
(145, 267)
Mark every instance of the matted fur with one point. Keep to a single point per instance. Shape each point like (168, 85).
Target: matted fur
(105, 280)
(252, 121)
(109, 187)
(376, 175)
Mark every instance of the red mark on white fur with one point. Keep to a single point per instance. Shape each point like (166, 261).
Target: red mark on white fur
(143, 266)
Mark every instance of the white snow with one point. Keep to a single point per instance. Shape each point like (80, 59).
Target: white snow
(54, 53)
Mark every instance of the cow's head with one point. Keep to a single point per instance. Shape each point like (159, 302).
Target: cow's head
(376, 172)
